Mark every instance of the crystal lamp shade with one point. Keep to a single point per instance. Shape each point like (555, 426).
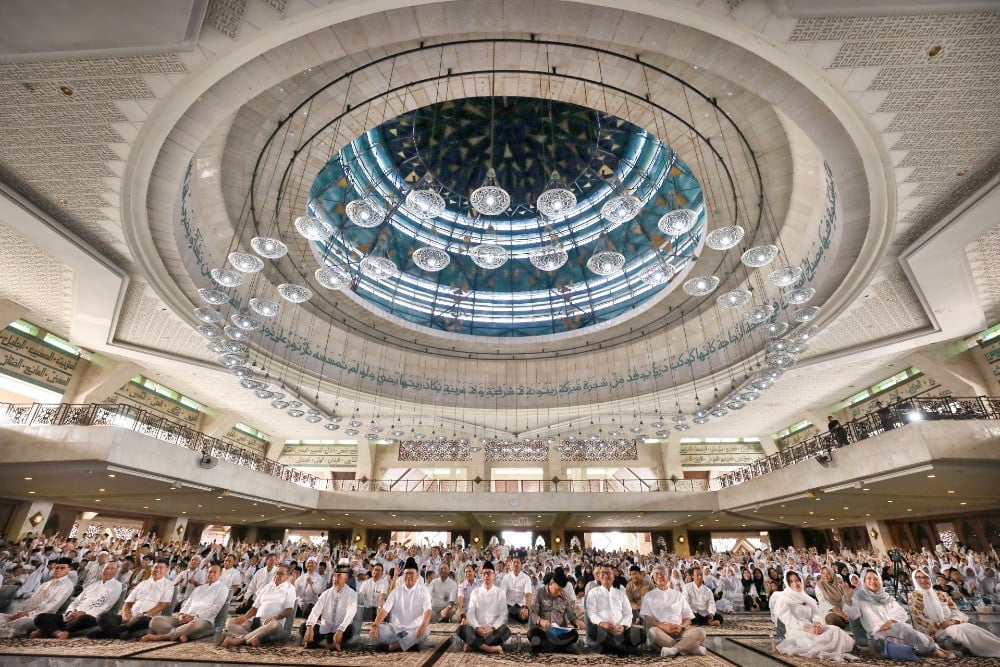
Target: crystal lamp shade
(798, 348)
(557, 200)
(268, 247)
(295, 413)
(773, 329)
(265, 307)
(806, 314)
(331, 427)
(245, 321)
(213, 296)
(772, 373)
(216, 347)
(264, 394)
(234, 347)
(785, 277)
(210, 331)
(313, 419)
(489, 255)
(701, 285)
(800, 296)
(425, 204)
(735, 404)
(663, 433)
(294, 293)
(365, 213)
(761, 383)
(232, 360)
(279, 405)
(332, 277)
(490, 198)
(244, 262)
(252, 385)
(312, 228)
(776, 346)
(548, 257)
(780, 360)
(621, 208)
(657, 272)
(718, 411)
(606, 263)
(208, 315)
(242, 372)
(237, 334)
(677, 222)
(759, 314)
(682, 427)
(737, 298)
(379, 268)
(431, 259)
(679, 419)
(724, 238)
(804, 333)
(761, 255)
(227, 278)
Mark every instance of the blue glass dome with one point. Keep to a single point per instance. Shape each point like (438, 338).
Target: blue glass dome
(451, 146)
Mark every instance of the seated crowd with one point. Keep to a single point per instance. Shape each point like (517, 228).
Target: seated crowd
(622, 603)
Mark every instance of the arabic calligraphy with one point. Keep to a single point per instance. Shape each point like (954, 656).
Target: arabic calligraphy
(35, 361)
(141, 397)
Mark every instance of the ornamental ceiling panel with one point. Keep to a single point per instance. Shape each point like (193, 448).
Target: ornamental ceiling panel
(983, 256)
(37, 281)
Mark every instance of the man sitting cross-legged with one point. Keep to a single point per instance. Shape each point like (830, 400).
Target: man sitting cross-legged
(47, 598)
(97, 598)
(410, 605)
(142, 605)
(197, 614)
(610, 615)
(485, 628)
(552, 618)
(337, 606)
(272, 604)
(668, 617)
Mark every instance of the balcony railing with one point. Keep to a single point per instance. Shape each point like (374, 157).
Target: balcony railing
(612, 485)
(891, 417)
(120, 415)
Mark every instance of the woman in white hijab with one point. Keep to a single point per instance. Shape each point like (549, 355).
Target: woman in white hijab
(938, 616)
(884, 618)
(806, 633)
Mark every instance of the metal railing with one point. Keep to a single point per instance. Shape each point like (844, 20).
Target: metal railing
(136, 419)
(886, 419)
(521, 485)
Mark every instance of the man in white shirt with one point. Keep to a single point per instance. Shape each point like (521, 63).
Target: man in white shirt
(94, 572)
(410, 604)
(142, 605)
(189, 579)
(444, 594)
(231, 577)
(48, 598)
(702, 601)
(273, 603)
(373, 592)
(337, 607)
(97, 598)
(308, 587)
(197, 615)
(518, 588)
(485, 628)
(261, 578)
(667, 615)
(610, 616)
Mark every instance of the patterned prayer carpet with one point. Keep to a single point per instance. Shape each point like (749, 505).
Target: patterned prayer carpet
(458, 658)
(71, 648)
(743, 625)
(359, 654)
(867, 658)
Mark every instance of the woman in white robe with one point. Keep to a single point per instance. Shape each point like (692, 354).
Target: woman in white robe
(938, 616)
(806, 633)
(885, 619)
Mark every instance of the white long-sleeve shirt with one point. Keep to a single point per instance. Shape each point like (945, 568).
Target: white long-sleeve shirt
(49, 597)
(206, 601)
(700, 598)
(487, 607)
(150, 593)
(608, 606)
(273, 599)
(337, 610)
(874, 616)
(308, 587)
(261, 578)
(408, 605)
(97, 598)
(371, 590)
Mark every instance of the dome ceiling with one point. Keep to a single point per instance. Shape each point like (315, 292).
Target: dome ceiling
(452, 146)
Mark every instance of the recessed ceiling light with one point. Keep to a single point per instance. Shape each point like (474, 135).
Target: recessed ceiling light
(866, 489)
(951, 490)
(931, 476)
(888, 501)
(97, 500)
(846, 508)
(101, 490)
(68, 92)
(157, 499)
(909, 509)
(183, 512)
(963, 503)
(145, 507)
(935, 51)
(111, 474)
(28, 479)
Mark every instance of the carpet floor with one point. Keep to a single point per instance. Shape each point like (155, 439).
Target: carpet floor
(867, 658)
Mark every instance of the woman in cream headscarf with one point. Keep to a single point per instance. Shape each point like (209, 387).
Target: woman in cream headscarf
(884, 618)
(938, 616)
(806, 634)
(831, 597)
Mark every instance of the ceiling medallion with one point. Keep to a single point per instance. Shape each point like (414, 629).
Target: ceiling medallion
(312, 228)
(268, 247)
(365, 213)
(677, 222)
(701, 285)
(431, 259)
(724, 238)
(737, 298)
(489, 198)
(759, 256)
(557, 199)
